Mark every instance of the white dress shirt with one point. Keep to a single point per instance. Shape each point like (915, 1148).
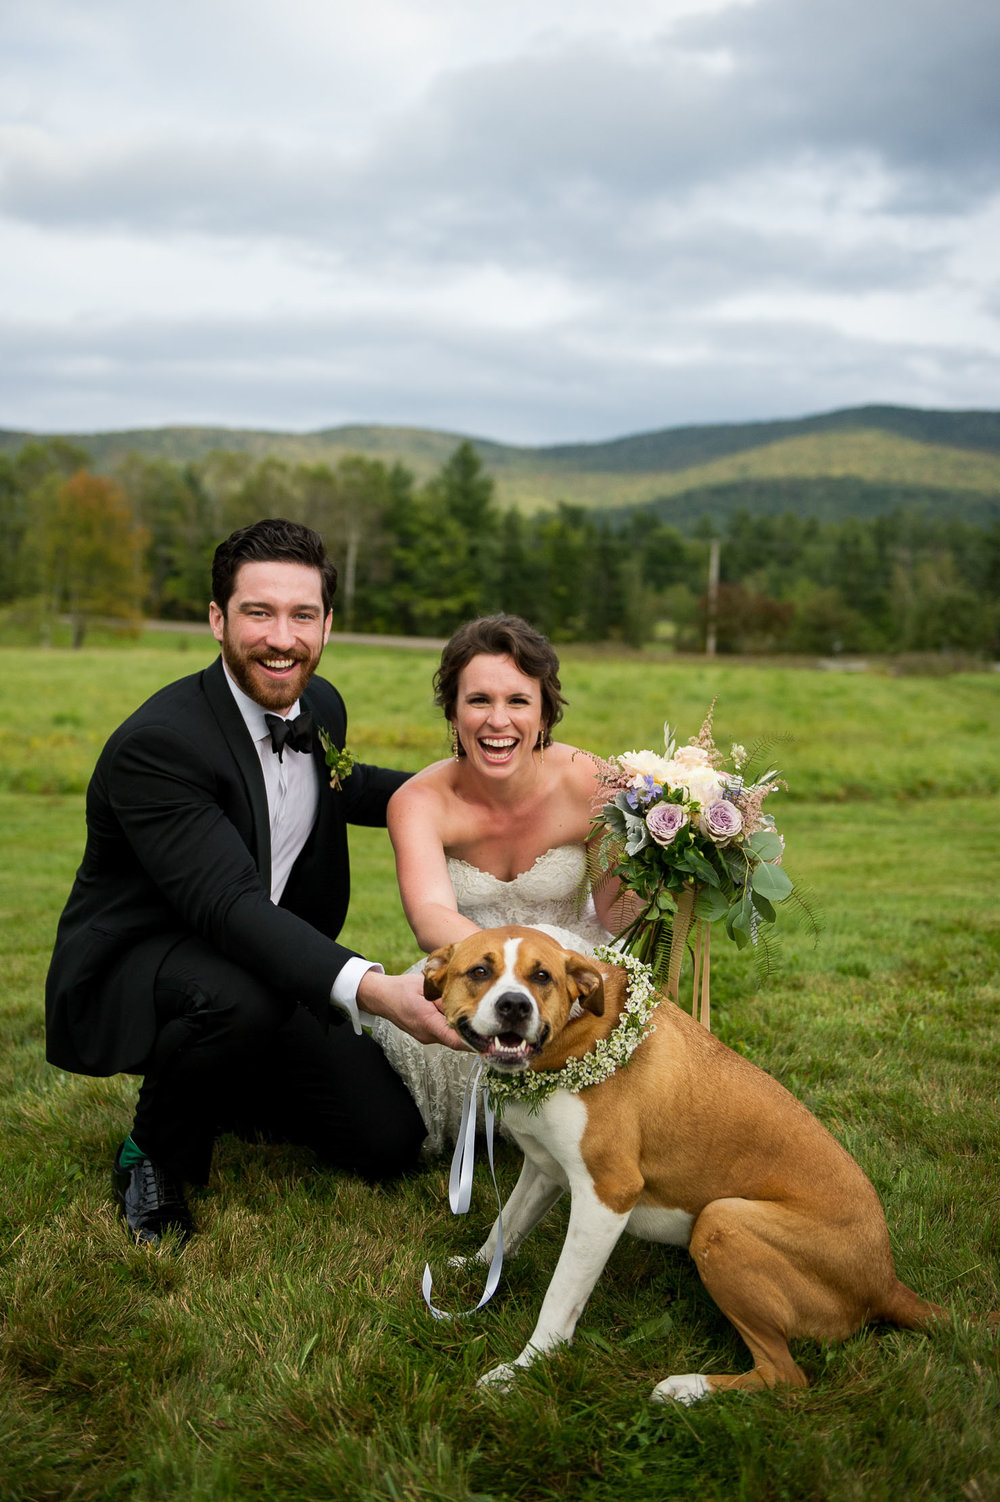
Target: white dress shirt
(292, 786)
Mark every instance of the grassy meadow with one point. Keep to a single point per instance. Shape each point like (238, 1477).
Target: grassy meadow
(286, 1355)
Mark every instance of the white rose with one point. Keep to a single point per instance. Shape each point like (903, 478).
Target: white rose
(675, 774)
(644, 764)
(691, 756)
(703, 784)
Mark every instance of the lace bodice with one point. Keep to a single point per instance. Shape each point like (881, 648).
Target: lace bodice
(551, 893)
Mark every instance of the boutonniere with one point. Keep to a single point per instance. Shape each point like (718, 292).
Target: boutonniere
(341, 763)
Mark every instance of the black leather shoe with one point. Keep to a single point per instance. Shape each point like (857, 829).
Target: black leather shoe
(149, 1200)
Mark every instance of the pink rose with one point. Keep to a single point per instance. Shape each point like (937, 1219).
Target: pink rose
(665, 822)
(721, 821)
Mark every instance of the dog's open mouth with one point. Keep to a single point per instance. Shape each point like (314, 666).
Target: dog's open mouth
(503, 1050)
(509, 1051)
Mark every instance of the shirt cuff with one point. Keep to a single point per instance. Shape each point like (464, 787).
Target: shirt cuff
(345, 990)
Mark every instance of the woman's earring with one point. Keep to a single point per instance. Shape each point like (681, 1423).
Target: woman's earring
(541, 748)
(454, 742)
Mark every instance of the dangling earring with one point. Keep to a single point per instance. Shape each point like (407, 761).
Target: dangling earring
(454, 742)
(541, 747)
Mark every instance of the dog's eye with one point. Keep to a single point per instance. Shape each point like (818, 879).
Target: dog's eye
(541, 977)
(478, 972)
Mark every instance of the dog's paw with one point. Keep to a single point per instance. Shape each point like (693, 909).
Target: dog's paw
(476, 1260)
(500, 1378)
(688, 1389)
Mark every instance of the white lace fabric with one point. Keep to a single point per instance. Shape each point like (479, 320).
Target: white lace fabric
(546, 896)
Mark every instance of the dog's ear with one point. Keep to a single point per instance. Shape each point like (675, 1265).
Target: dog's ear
(435, 970)
(585, 984)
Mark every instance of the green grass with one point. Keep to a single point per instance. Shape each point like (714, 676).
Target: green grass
(287, 1354)
(836, 736)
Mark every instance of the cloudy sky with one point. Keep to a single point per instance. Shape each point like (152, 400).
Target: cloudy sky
(531, 220)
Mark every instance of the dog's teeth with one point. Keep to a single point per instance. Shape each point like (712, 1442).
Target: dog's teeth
(515, 1051)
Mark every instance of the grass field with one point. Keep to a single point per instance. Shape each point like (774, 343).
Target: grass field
(287, 1355)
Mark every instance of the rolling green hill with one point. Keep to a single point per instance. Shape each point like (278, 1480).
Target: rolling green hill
(875, 457)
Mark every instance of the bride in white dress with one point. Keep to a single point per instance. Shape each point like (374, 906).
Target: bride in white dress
(495, 835)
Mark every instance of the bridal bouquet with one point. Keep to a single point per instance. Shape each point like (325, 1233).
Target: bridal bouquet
(687, 834)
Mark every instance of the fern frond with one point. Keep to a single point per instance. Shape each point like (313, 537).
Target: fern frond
(809, 915)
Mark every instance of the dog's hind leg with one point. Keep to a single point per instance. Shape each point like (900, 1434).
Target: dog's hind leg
(756, 1261)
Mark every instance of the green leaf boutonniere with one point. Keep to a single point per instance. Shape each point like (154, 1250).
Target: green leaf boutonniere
(341, 763)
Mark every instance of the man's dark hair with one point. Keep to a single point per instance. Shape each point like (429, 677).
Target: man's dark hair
(273, 540)
(502, 636)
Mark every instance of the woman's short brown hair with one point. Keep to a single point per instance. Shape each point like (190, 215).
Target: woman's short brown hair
(502, 636)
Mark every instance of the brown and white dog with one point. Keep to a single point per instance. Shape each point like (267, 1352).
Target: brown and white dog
(689, 1144)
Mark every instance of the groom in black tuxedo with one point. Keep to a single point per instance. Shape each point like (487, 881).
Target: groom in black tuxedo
(199, 946)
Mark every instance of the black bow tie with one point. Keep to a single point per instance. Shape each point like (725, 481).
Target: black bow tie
(295, 733)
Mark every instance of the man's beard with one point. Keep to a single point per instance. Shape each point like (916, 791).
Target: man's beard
(257, 685)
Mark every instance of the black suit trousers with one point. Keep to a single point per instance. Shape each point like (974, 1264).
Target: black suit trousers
(230, 1054)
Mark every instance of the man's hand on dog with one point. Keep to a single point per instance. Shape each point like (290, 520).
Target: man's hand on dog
(401, 999)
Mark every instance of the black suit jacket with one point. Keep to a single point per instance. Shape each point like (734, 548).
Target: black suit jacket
(178, 843)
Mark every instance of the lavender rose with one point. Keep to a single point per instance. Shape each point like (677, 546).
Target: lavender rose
(665, 822)
(721, 821)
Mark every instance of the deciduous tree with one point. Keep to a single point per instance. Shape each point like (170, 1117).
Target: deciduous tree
(89, 550)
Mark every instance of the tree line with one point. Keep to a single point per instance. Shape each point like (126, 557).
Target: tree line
(418, 559)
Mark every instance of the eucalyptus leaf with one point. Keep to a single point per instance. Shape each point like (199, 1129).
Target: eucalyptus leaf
(771, 882)
(711, 905)
(739, 922)
(765, 844)
(738, 925)
(764, 908)
(740, 936)
(696, 863)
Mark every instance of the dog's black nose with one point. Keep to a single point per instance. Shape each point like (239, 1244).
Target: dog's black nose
(512, 1006)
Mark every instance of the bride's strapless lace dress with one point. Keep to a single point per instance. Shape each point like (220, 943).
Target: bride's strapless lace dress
(547, 896)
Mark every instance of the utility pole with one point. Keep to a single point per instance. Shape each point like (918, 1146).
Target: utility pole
(712, 612)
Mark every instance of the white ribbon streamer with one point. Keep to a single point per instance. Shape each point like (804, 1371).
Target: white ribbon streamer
(460, 1189)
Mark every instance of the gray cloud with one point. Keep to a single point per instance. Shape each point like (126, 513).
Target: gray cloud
(910, 84)
(583, 381)
(912, 81)
(761, 153)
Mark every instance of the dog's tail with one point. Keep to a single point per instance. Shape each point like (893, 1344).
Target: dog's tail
(907, 1309)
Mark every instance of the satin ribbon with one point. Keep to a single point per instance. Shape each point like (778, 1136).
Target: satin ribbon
(460, 1189)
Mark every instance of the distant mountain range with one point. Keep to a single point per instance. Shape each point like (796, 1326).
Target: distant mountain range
(860, 461)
